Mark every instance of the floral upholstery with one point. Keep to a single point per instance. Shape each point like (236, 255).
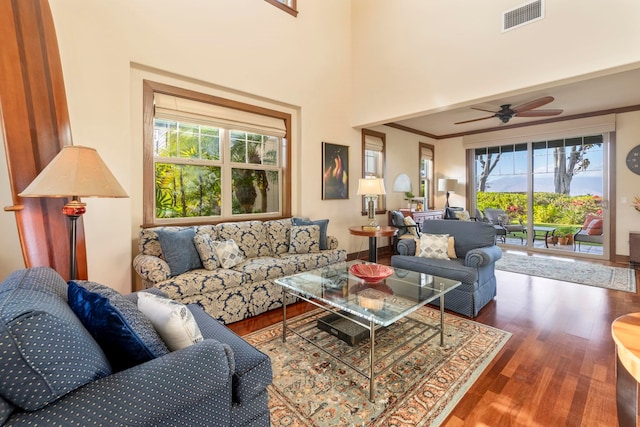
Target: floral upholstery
(244, 290)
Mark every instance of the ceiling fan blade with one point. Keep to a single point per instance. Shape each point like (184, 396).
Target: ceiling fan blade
(482, 109)
(539, 113)
(475, 120)
(533, 104)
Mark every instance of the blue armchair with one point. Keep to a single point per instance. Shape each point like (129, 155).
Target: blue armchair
(474, 265)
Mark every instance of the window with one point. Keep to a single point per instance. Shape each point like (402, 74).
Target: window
(373, 151)
(426, 174)
(288, 6)
(211, 159)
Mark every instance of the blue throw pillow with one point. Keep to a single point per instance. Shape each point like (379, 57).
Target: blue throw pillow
(179, 250)
(322, 223)
(125, 335)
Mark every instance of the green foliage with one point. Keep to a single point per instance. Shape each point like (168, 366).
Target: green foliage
(564, 231)
(548, 208)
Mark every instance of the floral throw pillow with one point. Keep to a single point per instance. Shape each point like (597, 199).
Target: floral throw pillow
(228, 253)
(206, 250)
(305, 239)
(434, 246)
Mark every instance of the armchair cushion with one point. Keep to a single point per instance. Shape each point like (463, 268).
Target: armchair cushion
(46, 352)
(126, 336)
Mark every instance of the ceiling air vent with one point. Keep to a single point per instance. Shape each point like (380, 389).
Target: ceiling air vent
(522, 15)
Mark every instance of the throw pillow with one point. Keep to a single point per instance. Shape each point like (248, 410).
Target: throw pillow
(125, 335)
(411, 225)
(434, 246)
(451, 248)
(503, 219)
(228, 253)
(463, 215)
(322, 223)
(587, 220)
(179, 250)
(304, 239)
(173, 321)
(204, 246)
(595, 227)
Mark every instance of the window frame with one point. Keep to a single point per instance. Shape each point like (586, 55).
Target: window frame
(430, 188)
(291, 9)
(148, 181)
(381, 201)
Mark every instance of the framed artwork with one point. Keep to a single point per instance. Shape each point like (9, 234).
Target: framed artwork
(335, 171)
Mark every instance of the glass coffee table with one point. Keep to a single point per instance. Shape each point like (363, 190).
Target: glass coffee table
(366, 306)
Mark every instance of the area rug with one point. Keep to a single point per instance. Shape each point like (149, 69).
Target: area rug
(311, 388)
(569, 270)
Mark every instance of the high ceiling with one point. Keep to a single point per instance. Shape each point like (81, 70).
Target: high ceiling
(613, 91)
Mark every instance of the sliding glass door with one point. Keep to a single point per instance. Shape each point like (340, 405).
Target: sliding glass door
(546, 195)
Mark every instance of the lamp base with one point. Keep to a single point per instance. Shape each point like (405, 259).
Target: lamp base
(370, 228)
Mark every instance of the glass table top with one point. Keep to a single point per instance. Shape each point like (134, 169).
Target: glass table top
(382, 303)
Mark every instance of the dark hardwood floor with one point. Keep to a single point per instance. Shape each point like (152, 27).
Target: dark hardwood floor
(558, 368)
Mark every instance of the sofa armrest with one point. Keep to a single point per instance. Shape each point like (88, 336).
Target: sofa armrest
(332, 242)
(148, 393)
(482, 256)
(406, 247)
(151, 268)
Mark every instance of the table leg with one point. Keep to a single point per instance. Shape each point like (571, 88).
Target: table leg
(546, 239)
(373, 249)
(626, 396)
(284, 315)
(441, 320)
(372, 342)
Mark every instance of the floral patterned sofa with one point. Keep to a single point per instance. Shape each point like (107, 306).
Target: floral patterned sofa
(265, 251)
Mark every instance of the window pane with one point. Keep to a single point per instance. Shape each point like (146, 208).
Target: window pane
(184, 140)
(187, 191)
(253, 148)
(255, 191)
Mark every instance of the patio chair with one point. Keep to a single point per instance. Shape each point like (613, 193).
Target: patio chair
(499, 218)
(591, 232)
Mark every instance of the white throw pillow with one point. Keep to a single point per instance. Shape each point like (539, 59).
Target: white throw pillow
(434, 246)
(173, 321)
(228, 253)
(412, 225)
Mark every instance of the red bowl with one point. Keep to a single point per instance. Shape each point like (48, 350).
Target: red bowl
(371, 273)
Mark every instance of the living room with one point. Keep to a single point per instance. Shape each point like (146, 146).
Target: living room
(336, 68)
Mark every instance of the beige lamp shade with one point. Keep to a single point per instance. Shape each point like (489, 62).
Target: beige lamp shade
(76, 171)
(448, 185)
(370, 186)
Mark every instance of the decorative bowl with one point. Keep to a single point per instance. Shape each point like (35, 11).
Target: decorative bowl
(371, 273)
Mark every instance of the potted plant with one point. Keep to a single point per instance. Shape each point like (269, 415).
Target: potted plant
(564, 235)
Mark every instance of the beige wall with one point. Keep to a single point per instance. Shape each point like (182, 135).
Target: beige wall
(405, 57)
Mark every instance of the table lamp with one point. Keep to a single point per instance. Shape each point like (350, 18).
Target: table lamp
(371, 187)
(76, 171)
(448, 185)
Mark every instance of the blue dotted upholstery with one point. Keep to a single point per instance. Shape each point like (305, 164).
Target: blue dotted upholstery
(45, 352)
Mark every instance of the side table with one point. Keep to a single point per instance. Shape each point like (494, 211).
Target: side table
(625, 331)
(383, 231)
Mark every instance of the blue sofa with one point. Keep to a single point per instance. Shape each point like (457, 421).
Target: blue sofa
(53, 372)
(474, 265)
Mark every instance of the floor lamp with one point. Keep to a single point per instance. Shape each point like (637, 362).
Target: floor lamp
(75, 172)
(448, 185)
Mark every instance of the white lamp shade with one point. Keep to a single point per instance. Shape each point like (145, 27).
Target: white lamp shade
(368, 186)
(75, 171)
(448, 185)
(402, 183)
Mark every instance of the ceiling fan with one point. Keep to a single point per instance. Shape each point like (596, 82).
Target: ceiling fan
(524, 110)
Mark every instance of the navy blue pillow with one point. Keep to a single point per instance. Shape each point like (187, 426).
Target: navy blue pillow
(322, 223)
(125, 335)
(179, 250)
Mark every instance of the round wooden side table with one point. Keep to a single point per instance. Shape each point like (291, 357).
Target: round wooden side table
(383, 231)
(625, 331)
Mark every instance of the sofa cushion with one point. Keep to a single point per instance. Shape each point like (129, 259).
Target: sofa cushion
(278, 232)
(434, 246)
(198, 282)
(266, 268)
(228, 253)
(250, 236)
(6, 409)
(125, 334)
(206, 251)
(468, 234)
(322, 223)
(45, 351)
(305, 239)
(451, 269)
(173, 321)
(179, 250)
